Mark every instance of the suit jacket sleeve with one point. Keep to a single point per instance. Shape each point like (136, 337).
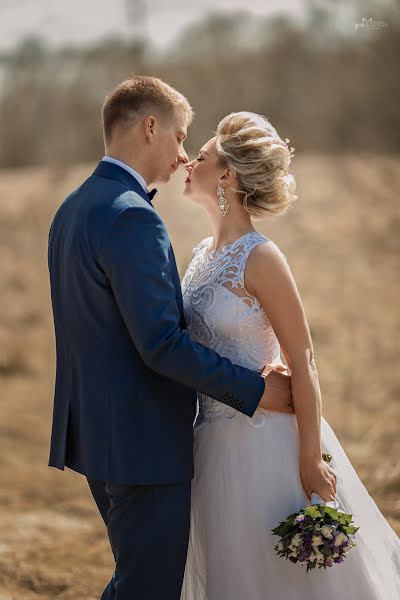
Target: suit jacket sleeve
(135, 258)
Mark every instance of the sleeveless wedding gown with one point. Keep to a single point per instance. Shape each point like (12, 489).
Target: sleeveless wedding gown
(246, 469)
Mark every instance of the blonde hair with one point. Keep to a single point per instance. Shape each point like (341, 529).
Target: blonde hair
(251, 146)
(133, 97)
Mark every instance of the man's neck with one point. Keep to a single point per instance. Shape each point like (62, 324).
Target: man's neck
(134, 169)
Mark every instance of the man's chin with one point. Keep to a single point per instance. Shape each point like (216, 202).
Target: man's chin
(162, 179)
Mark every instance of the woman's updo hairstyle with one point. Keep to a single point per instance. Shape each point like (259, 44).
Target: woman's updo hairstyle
(249, 144)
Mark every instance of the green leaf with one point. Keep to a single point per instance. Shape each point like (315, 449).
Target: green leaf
(292, 517)
(350, 530)
(311, 565)
(344, 518)
(326, 550)
(283, 529)
(277, 529)
(332, 512)
(327, 457)
(313, 511)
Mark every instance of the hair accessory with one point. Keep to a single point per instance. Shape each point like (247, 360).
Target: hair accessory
(291, 149)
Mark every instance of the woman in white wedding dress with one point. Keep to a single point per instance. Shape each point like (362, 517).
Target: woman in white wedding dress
(240, 299)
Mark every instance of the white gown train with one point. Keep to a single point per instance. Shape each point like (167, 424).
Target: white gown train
(246, 469)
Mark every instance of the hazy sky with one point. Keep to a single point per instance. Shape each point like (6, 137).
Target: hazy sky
(82, 21)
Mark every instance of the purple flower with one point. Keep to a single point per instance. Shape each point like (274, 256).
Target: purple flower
(299, 519)
(338, 559)
(304, 554)
(308, 540)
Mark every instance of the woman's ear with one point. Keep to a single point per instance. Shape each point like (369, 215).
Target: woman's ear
(227, 177)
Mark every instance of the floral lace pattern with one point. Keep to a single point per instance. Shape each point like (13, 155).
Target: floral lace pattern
(222, 315)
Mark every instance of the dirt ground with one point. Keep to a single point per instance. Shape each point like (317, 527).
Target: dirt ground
(342, 242)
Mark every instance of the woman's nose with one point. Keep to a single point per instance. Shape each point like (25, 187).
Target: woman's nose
(189, 166)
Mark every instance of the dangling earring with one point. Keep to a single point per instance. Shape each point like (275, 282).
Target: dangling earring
(223, 203)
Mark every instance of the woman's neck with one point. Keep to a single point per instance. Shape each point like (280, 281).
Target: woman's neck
(229, 228)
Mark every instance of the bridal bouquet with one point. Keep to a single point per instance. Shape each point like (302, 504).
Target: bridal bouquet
(317, 536)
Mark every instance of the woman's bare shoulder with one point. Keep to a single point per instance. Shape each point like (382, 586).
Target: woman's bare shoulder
(266, 256)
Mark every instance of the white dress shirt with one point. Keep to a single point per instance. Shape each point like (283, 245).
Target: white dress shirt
(123, 165)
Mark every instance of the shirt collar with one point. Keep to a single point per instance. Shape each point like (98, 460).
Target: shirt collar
(123, 165)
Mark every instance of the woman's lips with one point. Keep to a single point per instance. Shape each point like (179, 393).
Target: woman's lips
(187, 180)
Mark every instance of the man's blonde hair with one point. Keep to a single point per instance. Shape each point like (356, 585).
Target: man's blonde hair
(135, 97)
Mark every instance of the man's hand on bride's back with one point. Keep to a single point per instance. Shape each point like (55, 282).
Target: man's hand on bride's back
(278, 393)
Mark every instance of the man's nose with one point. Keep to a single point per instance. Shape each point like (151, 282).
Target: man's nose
(183, 157)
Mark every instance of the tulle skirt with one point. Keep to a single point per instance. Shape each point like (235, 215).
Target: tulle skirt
(246, 481)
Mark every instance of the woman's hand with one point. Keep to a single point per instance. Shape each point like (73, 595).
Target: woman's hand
(319, 477)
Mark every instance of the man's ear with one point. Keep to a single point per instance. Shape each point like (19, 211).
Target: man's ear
(150, 127)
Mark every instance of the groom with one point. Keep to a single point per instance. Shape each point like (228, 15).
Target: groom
(127, 369)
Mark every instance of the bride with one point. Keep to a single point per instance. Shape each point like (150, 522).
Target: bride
(240, 298)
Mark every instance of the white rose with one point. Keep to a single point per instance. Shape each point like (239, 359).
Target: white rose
(297, 540)
(316, 540)
(294, 551)
(326, 532)
(280, 546)
(340, 538)
(320, 557)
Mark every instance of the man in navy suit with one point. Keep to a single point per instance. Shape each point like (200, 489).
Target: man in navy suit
(127, 370)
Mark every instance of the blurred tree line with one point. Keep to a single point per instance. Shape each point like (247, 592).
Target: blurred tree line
(325, 90)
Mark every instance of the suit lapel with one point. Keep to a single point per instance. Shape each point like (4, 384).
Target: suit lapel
(177, 283)
(112, 171)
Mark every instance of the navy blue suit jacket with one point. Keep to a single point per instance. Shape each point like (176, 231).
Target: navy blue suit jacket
(127, 369)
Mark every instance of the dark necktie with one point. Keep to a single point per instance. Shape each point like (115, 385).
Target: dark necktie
(151, 194)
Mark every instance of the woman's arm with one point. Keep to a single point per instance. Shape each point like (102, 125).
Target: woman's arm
(269, 278)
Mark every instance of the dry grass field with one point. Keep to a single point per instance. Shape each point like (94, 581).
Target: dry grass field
(342, 241)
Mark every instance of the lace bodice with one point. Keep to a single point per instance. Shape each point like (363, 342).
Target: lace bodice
(222, 315)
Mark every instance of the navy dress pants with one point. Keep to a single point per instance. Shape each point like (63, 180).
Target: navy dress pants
(148, 529)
